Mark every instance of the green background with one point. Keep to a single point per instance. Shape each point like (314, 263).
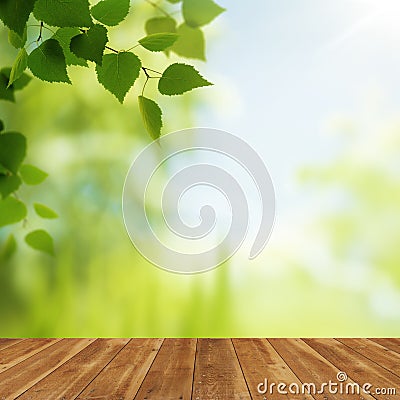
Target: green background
(315, 90)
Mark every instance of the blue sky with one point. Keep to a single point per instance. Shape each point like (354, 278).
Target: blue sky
(286, 70)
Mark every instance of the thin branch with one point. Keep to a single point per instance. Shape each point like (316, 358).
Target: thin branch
(152, 70)
(110, 48)
(136, 45)
(40, 32)
(144, 86)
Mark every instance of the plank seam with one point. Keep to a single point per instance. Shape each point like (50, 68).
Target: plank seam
(144, 378)
(241, 368)
(194, 367)
(44, 377)
(294, 373)
(339, 368)
(12, 344)
(33, 354)
(352, 348)
(374, 341)
(102, 368)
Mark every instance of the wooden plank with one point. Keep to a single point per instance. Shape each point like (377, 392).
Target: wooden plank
(218, 375)
(24, 375)
(386, 358)
(4, 343)
(171, 374)
(22, 350)
(67, 381)
(311, 367)
(260, 361)
(359, 368)
(391, 344)
(123, 376)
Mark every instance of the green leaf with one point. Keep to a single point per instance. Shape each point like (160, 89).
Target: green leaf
(11, 211)
(15, 14)
(110, 12)
(198, 13)
(20, 64)
(6, 93)
(32, 175)
(63, 13)
(9, 248)
(44, 211)
(91, 44)
(158, 41)
(190, 43)
(16, 40)
(20, 83)
(174, 1)
(160, 25)
(118, 73)
(47, 62)
(180, 78)
(64, 36)
(40, 240)
(12, 150)
(152, 116)
(9, 184)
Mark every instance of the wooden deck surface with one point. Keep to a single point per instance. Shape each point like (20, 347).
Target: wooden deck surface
(198, 369)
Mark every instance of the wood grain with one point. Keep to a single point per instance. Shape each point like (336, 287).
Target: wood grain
(4, 343)
(24, 375)
(310, 366)
(359, 368)
(171, 374)
(22, 350)
(67, 381)
(391, 344)
(191, 369)
(260, 361)
(123, 376)
(218, 375)
(375, 352)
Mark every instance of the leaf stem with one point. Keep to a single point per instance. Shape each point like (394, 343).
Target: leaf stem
(144, 86)
(44, 26)
(110, 48)
(40, 32)
(136, 45)
(107, 47)
(151, 70)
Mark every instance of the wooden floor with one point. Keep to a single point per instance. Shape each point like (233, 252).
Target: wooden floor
(217, 369)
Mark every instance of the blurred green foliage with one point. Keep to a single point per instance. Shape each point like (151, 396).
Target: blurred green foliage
(98, 285)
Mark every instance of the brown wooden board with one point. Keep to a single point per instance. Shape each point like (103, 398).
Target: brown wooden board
(123, 376)
(67, 381)
(357, 367)
(259, 362)
(217, 372)
(171, 374)
(22, 350)
(24, 375)
(4, 343)
(311, 367)
(391, 344)
(375, 352)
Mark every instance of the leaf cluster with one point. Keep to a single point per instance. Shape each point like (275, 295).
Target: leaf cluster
(13, 174)
(80, 35)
